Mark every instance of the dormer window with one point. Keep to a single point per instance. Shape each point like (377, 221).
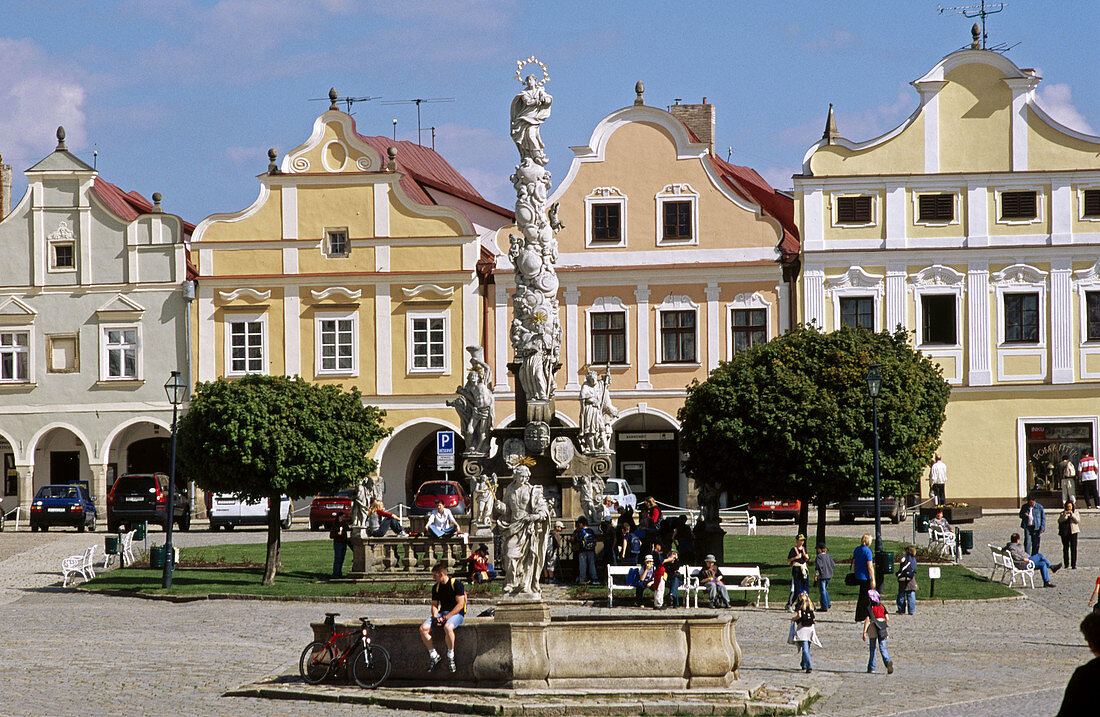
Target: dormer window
(62, 249)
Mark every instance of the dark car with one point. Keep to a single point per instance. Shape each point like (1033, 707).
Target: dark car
(892, 507)
(143, 497)
(68, 505)
(326, 510)
(450, 492)
(775, 508)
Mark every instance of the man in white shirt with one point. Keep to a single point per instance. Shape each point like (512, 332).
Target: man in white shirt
(1087, 472)
(937, 481)
(441, 522)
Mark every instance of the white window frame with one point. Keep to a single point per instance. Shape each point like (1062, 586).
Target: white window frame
(1087, 280)
(104, 348)
(674, 302)
(29, 331)
(743, 302)
(318, 319)
(246, 318)
(856, 283)
(326, 247)
(833, 208)
(413, 316)
(604, 195)
(1081, 202)
(606, 305)
(50, 338)
(63, 235)
(956, 203)
(1040, 202)
(680, 192)
(1021, 279)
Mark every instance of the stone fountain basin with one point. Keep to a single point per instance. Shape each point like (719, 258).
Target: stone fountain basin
(699, 651)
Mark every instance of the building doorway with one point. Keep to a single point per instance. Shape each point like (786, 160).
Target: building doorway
(64, 467)
(149, 455)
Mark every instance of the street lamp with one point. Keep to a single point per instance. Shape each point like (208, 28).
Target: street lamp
(874, 385)
(175, 388)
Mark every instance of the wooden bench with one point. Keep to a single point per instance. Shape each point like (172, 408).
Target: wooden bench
(742, 519)
(78, 565)
(732, 577)
(1002, 560)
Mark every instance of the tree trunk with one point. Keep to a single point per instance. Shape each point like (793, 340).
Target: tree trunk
(803, 514)
(821, 521)
(274, 538)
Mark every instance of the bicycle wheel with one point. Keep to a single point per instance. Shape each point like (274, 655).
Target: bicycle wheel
(316, 662)
(370, 669)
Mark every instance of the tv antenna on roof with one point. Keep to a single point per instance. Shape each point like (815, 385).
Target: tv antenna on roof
(982, 11)
(333, 98)
(418, 102)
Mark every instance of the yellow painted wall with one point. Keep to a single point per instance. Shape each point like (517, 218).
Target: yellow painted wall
(343, 150)
(1042, 226)
(975, 120)
(406, 221)
(248, 262)
(957, 228)
(841, 232)
(322, 206)
(426, 257)
(265, 224)
(406, 382)
(311, 260)
(1050, 149)
(1022, 365)
(903, 153)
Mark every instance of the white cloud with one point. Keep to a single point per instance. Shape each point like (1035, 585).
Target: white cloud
(483, 156)
(37, 95)
(1057, 101)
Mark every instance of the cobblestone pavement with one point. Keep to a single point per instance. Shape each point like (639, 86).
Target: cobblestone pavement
(71, 653)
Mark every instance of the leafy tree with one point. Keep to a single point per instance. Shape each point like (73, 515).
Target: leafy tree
(264, 436)
(792, 417)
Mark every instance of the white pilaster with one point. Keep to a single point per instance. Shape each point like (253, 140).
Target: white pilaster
(205, 301)
(470, 318)
(895, 217)
(978, 336)
(813, 296)
(1061, 212)
(1020, 87)
(383, 347)
(895, 296)
(292, 330)
(1061, 320)
(572, 339)
(813, 211)
(290, 260)
(382, 209)
(26, 486)
(783, 302)
(977, 216)
(382, 257)
(502, 337)
(641, 295)
(38, 196)
(290, 212)
(132, 265)
(713, 325)
(84, 238)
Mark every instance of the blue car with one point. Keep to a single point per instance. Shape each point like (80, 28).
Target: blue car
(68, 505)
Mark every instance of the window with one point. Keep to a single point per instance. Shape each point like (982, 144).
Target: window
(853, 210)
(1018, 205)
(14, 356)
(609, 337)
(120, 350)
(61, 354)
(62, 256)
(429, 343)
(606, 222)
(1092, 315)
(246, 346)
(678, 337)
(858, 312)
(1021, 318)
(336, 241)
(336, 342)
(936, 208)
(677, 220)
(938, 319)
(749, 327)
(1091, 203)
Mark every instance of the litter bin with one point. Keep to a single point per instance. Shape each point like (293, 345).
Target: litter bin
(966, 541)
(110, 544)
(920, 522)
(156, 556)
(884, 563)
(139, 531)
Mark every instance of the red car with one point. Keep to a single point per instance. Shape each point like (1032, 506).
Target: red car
(775, 508)
(450, 492)
(325, 510)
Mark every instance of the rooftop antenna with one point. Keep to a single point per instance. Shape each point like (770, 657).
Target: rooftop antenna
(729, 153)
(418, 101)
(394, 129)
(333, 98)
(95, 158)
(982, 11)
(433, 138)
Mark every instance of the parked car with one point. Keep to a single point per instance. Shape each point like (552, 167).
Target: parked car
(619, 491)
(775, 508)
(326, 510)
(227, 510)
(893, 507)
(143, 497)
(68, 505)
(450, 492)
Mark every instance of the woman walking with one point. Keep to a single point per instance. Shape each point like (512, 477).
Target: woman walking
(802, 631)
(875, 625)
(907, 581)
(1069, 525)
(864, 570)
(798, 560)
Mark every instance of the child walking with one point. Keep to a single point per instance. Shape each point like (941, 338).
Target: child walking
(802, 631)
(875, 624)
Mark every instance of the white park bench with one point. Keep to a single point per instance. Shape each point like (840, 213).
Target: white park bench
(742, 519)
(616, 580)
(78, 565)
(941, 541)
(1002, 560)
(732, 577)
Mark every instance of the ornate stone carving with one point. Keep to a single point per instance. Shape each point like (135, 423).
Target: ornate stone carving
(561, 452)
(536, 437)
(597, 413)
(484, 500)
(360, 507)
(474, 404)
(854, 277)
(524, 520)
(590, 491)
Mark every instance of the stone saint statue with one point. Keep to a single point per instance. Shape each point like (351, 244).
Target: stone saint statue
(709, 494)
(525, 525)
(474, 404)
(530, 108)
(590, 491)
(360, 507)
(484, 500)
(597, 413)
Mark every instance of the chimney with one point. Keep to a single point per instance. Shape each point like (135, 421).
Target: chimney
(699, 119)
(5, 188)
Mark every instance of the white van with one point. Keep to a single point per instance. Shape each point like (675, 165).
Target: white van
(229, 510)
(619, 490)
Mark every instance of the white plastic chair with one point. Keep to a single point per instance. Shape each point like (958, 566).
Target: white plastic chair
(78, 565)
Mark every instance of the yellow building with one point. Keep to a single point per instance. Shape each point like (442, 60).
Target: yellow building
(670, 260)
(973, 224)
(357, 264)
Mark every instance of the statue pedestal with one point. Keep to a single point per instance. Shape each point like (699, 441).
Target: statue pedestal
(712, 541)
(522, 610)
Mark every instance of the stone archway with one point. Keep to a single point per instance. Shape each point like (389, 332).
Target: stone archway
(60, 454)
(407, 459)
(647, 454)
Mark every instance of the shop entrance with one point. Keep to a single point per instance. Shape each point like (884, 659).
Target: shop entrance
(1046, 443)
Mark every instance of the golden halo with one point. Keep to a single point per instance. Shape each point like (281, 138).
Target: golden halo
(532, 60)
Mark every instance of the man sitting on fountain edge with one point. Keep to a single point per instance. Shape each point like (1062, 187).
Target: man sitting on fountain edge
(448, 610)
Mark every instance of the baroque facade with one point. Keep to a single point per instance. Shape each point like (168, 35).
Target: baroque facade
(972, 224)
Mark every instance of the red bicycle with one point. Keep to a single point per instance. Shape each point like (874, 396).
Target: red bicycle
(368, 665)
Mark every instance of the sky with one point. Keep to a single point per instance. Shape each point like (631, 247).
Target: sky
(184, 97)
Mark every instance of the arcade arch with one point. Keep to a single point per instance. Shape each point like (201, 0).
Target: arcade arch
(407, 458)
(647, 455)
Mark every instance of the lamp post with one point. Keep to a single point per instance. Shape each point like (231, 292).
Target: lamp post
(874, 385)
(174, 388)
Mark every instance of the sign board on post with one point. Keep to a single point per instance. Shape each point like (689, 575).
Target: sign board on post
(445, 451)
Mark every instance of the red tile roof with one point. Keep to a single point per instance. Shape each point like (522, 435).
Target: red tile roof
(131, 205)
(750, 185)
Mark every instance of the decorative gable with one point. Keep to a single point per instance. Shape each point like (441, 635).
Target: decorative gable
(14, 310)
(120, 308)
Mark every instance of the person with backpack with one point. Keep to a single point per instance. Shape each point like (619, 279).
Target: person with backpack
(634, 546)
(907, 581)
(584, 545)
(875, 625)
(802, 631)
